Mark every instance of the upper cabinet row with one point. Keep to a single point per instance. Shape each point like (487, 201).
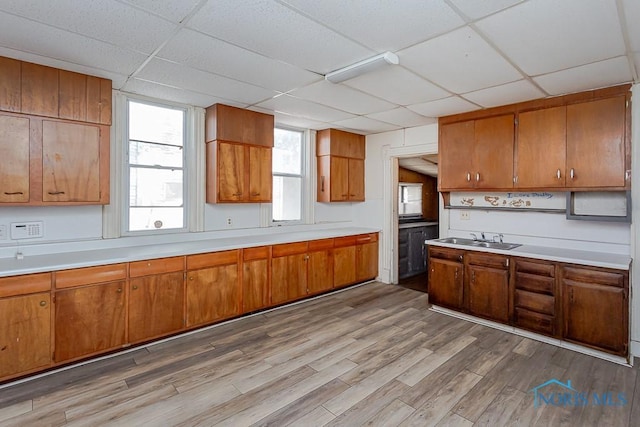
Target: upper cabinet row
(44, 91)
(577, 142)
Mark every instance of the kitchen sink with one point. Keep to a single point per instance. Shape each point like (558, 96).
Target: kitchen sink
(477, 243)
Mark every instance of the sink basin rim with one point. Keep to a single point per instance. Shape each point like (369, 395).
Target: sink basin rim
(477, 243)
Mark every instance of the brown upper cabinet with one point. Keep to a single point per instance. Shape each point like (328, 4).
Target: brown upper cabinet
(572, 142)
(45, 91)
(239, 145)
(477, 154)
(340, 166)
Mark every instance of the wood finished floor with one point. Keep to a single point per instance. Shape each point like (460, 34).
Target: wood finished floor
(372, 355)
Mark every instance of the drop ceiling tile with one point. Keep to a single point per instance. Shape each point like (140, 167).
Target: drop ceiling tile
(542, 36)
(278, 32)
(402, 117)
(509, 93)
(599, 74)
(174, 11)
(364, 125)
(206, 53)
(397, 85)
(475, 9)
(159, 91)
(39, 39)
(443, 107)
(376, 24)
(632, 14)
(305, 109)
(181, 76)
(341, 97)
(299, 122)
(105, 20)
(460, 61)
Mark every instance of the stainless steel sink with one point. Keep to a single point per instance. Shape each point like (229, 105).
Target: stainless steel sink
(478, 244)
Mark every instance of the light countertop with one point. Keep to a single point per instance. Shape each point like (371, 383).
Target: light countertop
(89, 258)
(417, 224)
(573, 256)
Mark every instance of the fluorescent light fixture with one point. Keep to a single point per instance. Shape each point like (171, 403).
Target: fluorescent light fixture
(362, 67)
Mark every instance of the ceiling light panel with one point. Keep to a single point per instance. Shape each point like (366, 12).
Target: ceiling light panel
(278, 32)
(376, 24)
(460, 61)
(577, 32)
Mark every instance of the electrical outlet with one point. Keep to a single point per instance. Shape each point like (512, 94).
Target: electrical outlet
(465, 215)
(229, 223)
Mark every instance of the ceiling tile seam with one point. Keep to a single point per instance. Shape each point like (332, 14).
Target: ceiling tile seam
(625, 36)
(580, 65)
(451, 93)
(472, 24)
(152, 12)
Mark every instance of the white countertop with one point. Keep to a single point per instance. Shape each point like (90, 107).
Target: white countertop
(417, 224)
(67, 260)
(573, 256)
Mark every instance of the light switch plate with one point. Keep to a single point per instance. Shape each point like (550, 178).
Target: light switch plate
(465, 215)
(27, 230)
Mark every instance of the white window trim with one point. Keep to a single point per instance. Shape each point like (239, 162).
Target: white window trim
(116, 212)
(308, 183)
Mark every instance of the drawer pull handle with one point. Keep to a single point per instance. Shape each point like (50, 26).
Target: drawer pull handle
(322, 183)
(43, 303)
(55, 193)
(13, 193)
(558, 174)
(572, 174)
(478, 177)
(468, 177)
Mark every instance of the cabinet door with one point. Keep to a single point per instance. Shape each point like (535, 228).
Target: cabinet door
(541, 153)
(456, 145)
(260, 177)
(212, 294)
(288, 278)
(89, 320)
(489, 292)
(70, 162)
(445, 285)
(14, 152)
(417, 256)
(356, 180)
(320, 271)
(39, 90)
(339, 182)
(10, 84)
(230, 171)
(156, 305)
(595, 143)
(344, 266)
(366, 261)
(255, 284)
(493, 152)
(72, 96)
(403, 253)
(25, 336)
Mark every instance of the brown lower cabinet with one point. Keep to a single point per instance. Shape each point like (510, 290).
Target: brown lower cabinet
(49, 319)
(156, 298)
(585, 305)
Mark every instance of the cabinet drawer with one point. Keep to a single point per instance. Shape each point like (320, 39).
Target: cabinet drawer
(25, 284)
(341, 242)
(537, 268)
(156, 266)
(533, 321)
(536, 302)
(445, 253)
(319, 245)
(488, 260)
(366, 238)
(261, 252)
(535, 283)
(85, 276)
(594, 276)
(212, 259)
(289, 249)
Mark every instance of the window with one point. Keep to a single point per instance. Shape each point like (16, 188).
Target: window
(410, 199)
(156, 158)
(288, 175)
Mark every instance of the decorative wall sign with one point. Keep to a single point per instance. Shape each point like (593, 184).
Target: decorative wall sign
(543, 200)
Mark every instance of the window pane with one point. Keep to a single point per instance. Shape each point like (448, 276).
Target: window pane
(155, 218)
(410, 202)
(144, 153)
(155, 187)
(287, 152)
(156, 124)
(287, 198)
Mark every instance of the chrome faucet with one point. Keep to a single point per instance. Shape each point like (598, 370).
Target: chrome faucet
(482, 238)
(499, 236)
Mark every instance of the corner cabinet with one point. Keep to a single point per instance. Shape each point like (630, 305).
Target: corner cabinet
(239, 149)
(340, 158)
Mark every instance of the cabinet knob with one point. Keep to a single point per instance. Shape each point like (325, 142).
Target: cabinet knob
(148, 264)
(119, 290)
(468, 177)
(460, 258)
(12, 193)
(134, 287)
(191, 278)
(43, 303)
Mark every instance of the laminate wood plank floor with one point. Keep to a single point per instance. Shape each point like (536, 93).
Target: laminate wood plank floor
(370, 355)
